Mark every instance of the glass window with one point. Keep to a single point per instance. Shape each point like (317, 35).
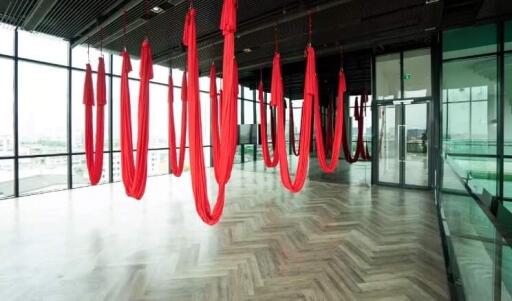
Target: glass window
(6, 178)
(471, 105)
(80, 57)
(158, 120)
(158, 162)
(42, 109)
(417, 75)
(388, 76)
(42, 47)
(78, 112)
(42, 174)
(468, 41)
(7, 38)
(160, 74)
(248, 112)
(80, 173)
(6, 107)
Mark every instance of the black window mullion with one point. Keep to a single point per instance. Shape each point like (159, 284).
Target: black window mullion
(15, 112)
(69, 120)
(110, 123)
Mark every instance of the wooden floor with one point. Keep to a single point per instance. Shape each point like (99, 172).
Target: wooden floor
(330, 242)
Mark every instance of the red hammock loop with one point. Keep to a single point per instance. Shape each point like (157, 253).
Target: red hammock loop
(228, 125)
(305, 133)
(177, 164)
(94, 153)
(267, 159)
(338, 128)
(134, 174)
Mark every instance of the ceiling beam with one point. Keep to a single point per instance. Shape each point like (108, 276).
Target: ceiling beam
(288, 17)
(37, 14)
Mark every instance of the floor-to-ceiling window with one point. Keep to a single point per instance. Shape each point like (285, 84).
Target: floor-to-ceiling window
(475, 139)
(42, 114)
(6, 112)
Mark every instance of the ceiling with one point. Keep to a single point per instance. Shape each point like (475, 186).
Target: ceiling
(358, 27)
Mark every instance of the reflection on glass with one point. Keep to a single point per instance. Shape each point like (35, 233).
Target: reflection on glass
(507, 128)
(388, 147)
(470, 106)
(468, 41)
(43, 174)
(388, 76)
(6, 178)
(42, 109)
(416, 151)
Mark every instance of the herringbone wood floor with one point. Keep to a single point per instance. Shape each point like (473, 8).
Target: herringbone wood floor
(330, 242)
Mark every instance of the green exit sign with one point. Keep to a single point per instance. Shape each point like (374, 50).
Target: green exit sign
(407, 76)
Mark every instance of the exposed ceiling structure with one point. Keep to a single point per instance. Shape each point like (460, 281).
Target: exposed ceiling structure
(359, 27)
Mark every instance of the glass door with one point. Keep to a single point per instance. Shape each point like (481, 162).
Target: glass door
(388, 151)
(403, 144)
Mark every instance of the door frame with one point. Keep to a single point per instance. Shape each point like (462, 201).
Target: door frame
(431, 126)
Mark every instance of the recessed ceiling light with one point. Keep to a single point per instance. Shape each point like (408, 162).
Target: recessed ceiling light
(157, 9)
(247, 50)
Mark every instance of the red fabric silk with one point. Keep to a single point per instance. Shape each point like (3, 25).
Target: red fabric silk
(134, 174)
(94, 153)
(291, 131)
(269, 161)
(305, 131)
(360, 151)
(175, 163)
(228, 125)
(338, 128)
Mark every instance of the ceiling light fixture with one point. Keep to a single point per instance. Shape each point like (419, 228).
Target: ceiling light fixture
(247, 50)
(157, 9)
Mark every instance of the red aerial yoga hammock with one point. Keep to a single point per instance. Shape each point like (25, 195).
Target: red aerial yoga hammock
(134, 174)
(223, 160)
(94, 154)
(338, 128)
(305, 127)
(360, 151)
(175, 163)
(269, 161)
(295, 150)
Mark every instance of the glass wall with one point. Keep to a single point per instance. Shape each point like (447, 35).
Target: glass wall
(42, 125)
(476, 115)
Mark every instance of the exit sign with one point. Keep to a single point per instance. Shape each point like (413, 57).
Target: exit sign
(407, 76)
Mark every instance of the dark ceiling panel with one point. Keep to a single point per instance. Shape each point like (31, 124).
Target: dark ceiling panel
(359, 27)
